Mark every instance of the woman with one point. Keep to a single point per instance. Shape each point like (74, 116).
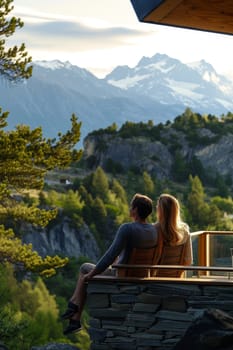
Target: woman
(173, 231)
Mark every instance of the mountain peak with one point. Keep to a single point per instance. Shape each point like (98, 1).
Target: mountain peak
(201, 66)
(157, 58)
(159, 90)
(54, 64)
(206, 71)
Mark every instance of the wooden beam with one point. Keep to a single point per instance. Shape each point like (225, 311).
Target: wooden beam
(208, 15)
(164, 10)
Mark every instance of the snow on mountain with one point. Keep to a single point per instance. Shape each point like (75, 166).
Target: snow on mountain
(157, 88)
(128, 82)
(184, 89)
(209, 74)
(159, 62)
(54, 64)
(167, 80)
(202, 67)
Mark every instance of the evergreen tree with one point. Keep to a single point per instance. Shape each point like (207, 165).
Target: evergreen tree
(70, 203)
(14, 61)
(119, 191)
(99, 214)
(148, 184)
(118, 208)
(25, 158)
(224, 204)
(100, 184)
(28, 312)
(196, 201)
(202, 215)
(88, 204)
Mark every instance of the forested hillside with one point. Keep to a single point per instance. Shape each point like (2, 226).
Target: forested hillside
(192, 144)
(174, 157)
(150, 159)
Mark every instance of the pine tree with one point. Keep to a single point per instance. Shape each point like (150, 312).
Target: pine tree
(202, 213)
(119, 191)
(14, 61)
(25, 157)
(24, 160)
(196, 201)
(99, 214)
(100, 184)
(148, 183)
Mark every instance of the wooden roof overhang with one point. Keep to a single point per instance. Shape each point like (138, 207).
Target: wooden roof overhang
(206, 15)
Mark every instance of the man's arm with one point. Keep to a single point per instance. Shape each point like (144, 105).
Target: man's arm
(113, 251)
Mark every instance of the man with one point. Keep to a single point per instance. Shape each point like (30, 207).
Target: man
(136, 234)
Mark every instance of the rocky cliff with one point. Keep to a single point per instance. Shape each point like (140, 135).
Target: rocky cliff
(218, 155)
(153, 157)
(63, 238)
(158, 156)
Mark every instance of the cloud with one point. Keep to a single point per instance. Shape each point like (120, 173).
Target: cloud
(99, 42)
(74, 29)
(73, 36)
(89, 42)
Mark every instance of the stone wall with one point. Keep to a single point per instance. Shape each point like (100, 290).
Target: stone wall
(145, 315)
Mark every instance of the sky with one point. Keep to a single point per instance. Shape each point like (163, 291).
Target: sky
(100, 35)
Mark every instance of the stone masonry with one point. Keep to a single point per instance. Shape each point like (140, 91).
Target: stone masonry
(149, 314)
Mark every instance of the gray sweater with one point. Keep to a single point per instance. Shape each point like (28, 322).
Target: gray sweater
(129, 235)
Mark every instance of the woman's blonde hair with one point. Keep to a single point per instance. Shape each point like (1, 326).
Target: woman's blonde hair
(168, 211)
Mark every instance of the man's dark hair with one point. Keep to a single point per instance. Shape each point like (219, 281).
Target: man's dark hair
(143, 204)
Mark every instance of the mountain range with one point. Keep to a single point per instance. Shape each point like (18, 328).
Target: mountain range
(157, 88)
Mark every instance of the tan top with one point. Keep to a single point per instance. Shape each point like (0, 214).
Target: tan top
(186, 239)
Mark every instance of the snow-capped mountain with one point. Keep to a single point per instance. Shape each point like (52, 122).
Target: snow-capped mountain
(167, 80)
(157, 88)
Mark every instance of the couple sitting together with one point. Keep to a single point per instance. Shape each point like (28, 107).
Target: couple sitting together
(169, 230)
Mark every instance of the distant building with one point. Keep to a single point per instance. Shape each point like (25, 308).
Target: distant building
(65, 181)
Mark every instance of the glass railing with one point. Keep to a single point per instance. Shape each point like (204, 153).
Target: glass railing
(213, 248)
